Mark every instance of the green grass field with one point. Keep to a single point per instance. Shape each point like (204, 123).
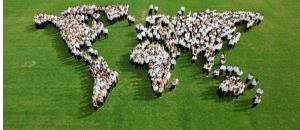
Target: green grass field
(46, 88)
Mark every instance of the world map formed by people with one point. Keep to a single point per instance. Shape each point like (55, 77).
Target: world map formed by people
(160, 42)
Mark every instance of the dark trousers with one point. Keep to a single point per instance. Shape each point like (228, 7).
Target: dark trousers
(193, 61)
(221, 72)
(250, 86)
(247, 80)
(237, 96)
(254, 105)
(206, 71)
(258, 22)
(158, 94)
(150, 12)
(172, 87)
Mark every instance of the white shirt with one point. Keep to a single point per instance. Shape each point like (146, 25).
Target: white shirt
(105, 30)
(240, 73)
(151, 6)
(173, 61)
(250, 77)
(175, 82)
(260, 91)
(254, 82)
(139, 36)
(182, 8)
(216, 72)
(257, 100)
(223, 67)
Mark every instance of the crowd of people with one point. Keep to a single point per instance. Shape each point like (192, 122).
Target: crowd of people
(113, 13)
(161, 41)
(157, 59)
(203, 33)
(79, 37)
(233, 84)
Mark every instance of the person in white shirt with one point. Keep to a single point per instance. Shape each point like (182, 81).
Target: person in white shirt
(224, 90)
(130, 20)
(160, 90)
(222, 69)
(105, 32)
(173, 63)
(216, 74)
(253, 83)
(194, 58)
(229, 70)
(155, 10)
(222, 59)
(249, 78)
(139, 37)
(236, 69)
(182, 9)
(260, 18)
(259, 91)
(239, 73)
(174, 84)
(150, 9)
(256, 101)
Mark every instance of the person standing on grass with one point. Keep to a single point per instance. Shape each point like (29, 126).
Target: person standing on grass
(150, 9)
(216, 74)
(182, 10)
(130, 20)
(256, 101)
(222, 69)
(155, 10)
(222, 59)
(173, 63)
(236, 69)
(194, 58)
(105, 32)
(249, 78)
(259, 91)
(253, 83)
(229, 70)
(239, 73)
(174, 84)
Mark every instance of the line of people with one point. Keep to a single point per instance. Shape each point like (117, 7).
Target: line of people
(79, 38)
(131, 20)
(233, 84)
(113, 13)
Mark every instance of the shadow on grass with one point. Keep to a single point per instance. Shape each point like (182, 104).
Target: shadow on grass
(140, 80)
(243, 105)
(31, 28)
(239, 104)
(81, 69)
